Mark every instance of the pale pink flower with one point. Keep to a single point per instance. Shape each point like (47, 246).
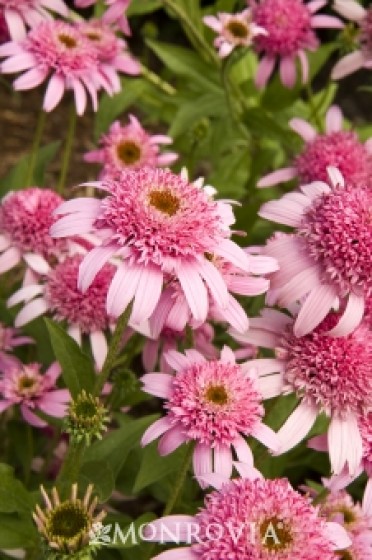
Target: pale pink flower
(115, 14)
(26, 386)
(336, 147)
(252, 519)
(159, 225)
(58, 51)
(154, 350)
(25, 220)
(327, 260)
(234, 30)
(112, 52)
(212, 403)
(129, 147)
(290, 26)
(361, 58)
(10, 339)
(329, 375)
(20, 14)
(58, 294)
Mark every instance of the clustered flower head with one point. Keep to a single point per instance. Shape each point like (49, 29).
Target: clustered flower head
(129, 147)
(115, 13)
(234, 30)
(19, 14)
(10, 338)
(290, 31)
(67, 55)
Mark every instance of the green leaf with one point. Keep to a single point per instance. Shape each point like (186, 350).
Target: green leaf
(98, 473)
(260, 122)
(184, 62)
(140, 7)
(17, 532)
(154, 467)
(115, 447)
(13, 495)
(77, 369)
(208, 105)
(15, 179)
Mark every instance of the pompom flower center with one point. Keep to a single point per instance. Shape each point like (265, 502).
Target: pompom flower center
(164, 201)
(275, 535)
(68, 521)
(128, 152)
(217, 395)
(238, 29)
(67, 40)
(27, 385)
(338, 230)
(333, 373)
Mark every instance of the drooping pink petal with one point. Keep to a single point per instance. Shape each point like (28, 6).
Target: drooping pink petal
(223, 464)
(202, 462)
(99, 347)
(234, 254)
(177, 360)
(271, 386)
(348, 64)
(344, 444)
(338, 535)
(317, 305)
(334, 119)
(316, 5)
(17, 63)
(122, 289)
(37, 263)
(30, 79)
(194, 290)
(31, 311)
(14, 21)
(264, 71)
(25, 294)
(215, 283)
(322, 21)
(155, 430)
(302, 56)
(304, 129)
(267, 437)
(54, 92)
(31, 418)
(296, 427)
(367, 499)
(299, 286)
(350, 9)
(243, 451)
(158, 384)
(148, 293)
(9, 259)
(287, 69)
(351, 317)
(92, 264)
(235, 315)
(171, 440)
(279, 176)
(183, 553)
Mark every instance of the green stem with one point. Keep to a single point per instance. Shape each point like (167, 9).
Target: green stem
(157, 81)
(69, 472)
(233, 96)
(35, 148)
(314, 110)
(199, 41)
(180, 480)
(113, 350)
(68, 150)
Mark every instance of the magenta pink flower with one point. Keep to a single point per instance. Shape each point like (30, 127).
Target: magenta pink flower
(129, 147)
(9, 339)
(169, 339)
(115, 14)
(161, 226)
(361, 58)
(58, 49)
(336, 147)
(256, 520)
(328, 374)
(21, 13)
(234, 30)
(290, 28)
(328, 258)
(27, 386)
(25, 220)
(212, 403)
(85, 313)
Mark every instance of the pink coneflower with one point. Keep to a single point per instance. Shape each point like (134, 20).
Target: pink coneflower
(361, 58)
(59, 49)
(115, 14)
(212, 403)
(328, 257)
(25, 220)
(21, 13)
(169, 339)
(329, 375)
(9, 339)
(336, 147)
(27, 386)
(256, 520)
(129, 147)
(290, 28)
(112, 52)
(159, 224)
(4, 33)
(234, 30)
(365, 424)
(84, 313)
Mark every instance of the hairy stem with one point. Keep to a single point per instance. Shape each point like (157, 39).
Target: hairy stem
(68, 150)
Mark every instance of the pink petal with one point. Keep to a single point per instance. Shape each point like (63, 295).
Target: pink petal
(155, 430)
(334, 119)
(160, 139)
(213, 22)
(99, 347)
(348, 64)
(53, 372)
(351, 317)
(30, 79)
(150, 354)
(30, 312)
(215, 283)
(324, 21)
(227, 355)
(223, 461)
(319, 443)
(72, 224)
(317, 305)
(304, 66)
(80, 96)
(56, 6)
(304, 129)
(267, 437)
(315, 189)
(14, 21)
(350, 9)
(9, 259)
(279, 176)
(54, 92)
(25, 294)
(344, 444)
(257, 337)
(183, 553)
(169, 529)
(337, 535)
(168, 158)
(18, 63)
(92, 264)
(31, 418)
(37, 263)
(297, 426)
(234, 254)
(335, 176)
(202, 462)
(271, 386)
(247, 471)
(179, 315)
(176, 360)
(316, 5)
(235, 315)
(52, 408)
(171, 440)
(367, 499)
(287, 71)
(150, 284)
(122, 288)
(243, 451)
(158, 384)
(282, 211)
(5, 242)
(194, 290)
(260, 264)
(299, 286)
(264, 366)
(264, 71)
